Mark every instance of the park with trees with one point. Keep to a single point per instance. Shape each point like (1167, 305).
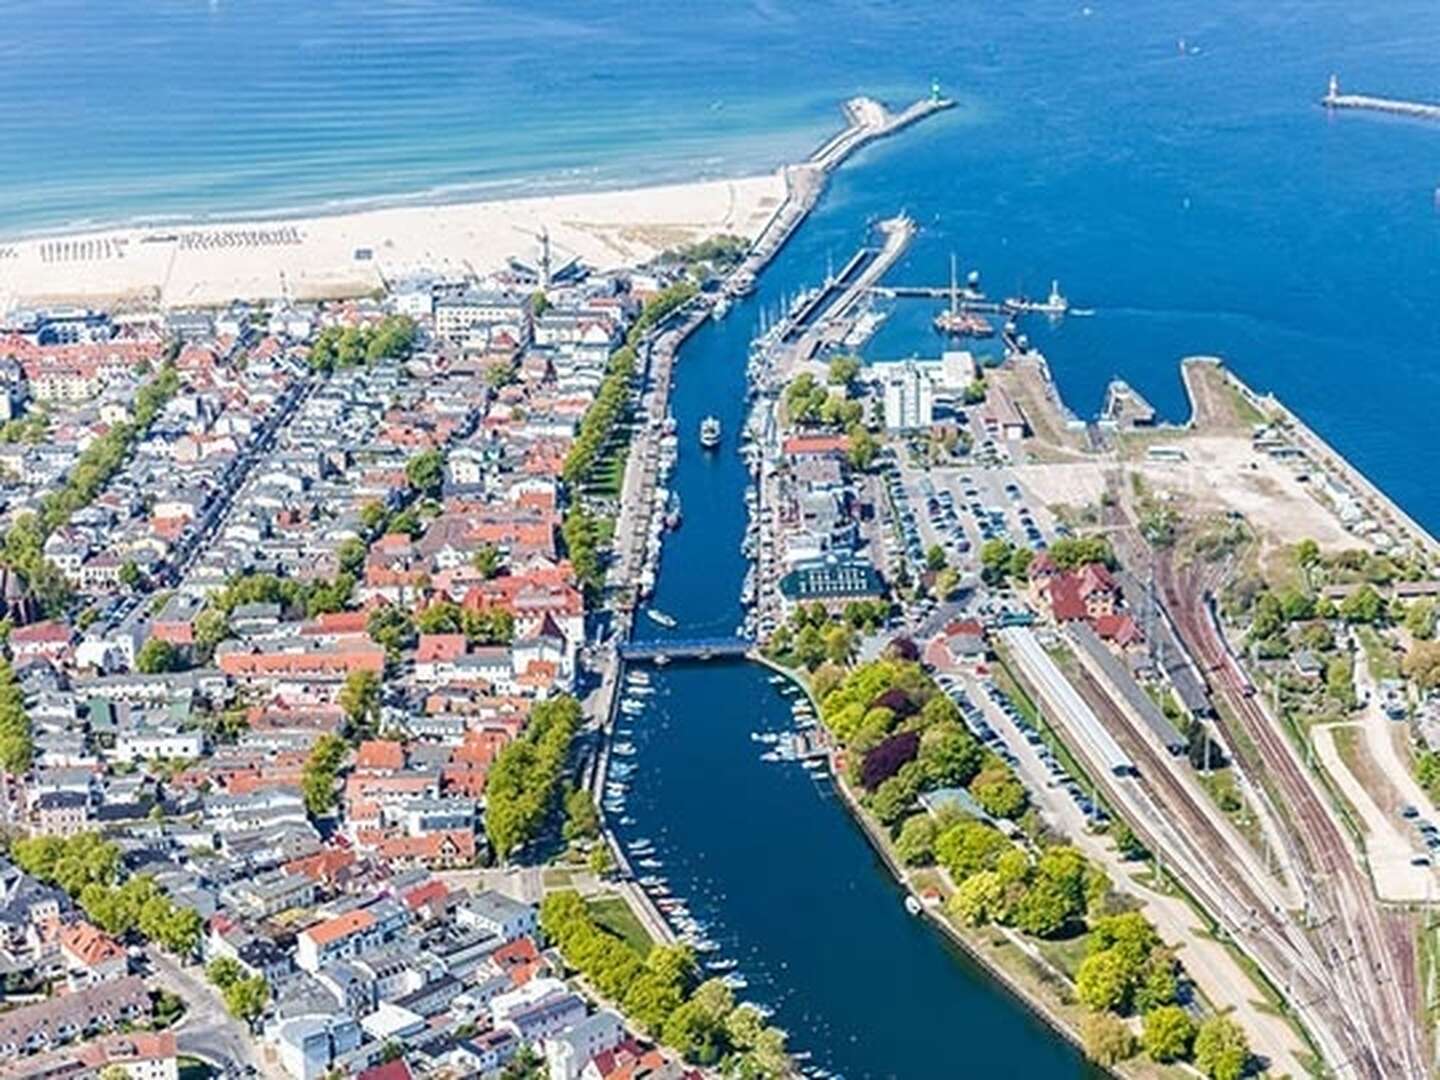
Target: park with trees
(1001, 868)
(661, 992)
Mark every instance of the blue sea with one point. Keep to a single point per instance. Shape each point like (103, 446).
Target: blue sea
(1168, 162)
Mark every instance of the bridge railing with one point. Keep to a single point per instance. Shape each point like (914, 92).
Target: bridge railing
(685, 648)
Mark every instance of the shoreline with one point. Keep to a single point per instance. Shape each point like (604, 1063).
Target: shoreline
(356, 252)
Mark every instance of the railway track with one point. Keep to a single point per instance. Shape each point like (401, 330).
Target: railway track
(1369, 951)
(1219, 871)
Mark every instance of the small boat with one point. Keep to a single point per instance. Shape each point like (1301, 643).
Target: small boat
(913, 905)
(710, 432)
(721, 308)
(637, 678)
(650, 864)
(735, 981)
(729, 963)
(660, 617)
(672, 512)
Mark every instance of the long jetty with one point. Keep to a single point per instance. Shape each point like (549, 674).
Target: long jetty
(1419, 110)
(867, 120)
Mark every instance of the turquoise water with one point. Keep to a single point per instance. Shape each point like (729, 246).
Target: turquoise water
(1198, 198)
(1202, 202)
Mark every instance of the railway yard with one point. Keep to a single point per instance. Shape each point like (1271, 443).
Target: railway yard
(1288, 878)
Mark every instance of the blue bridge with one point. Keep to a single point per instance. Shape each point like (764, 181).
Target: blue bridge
(661, 651)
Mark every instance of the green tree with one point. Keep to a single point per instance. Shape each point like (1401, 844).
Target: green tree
(1106, 1038)
(600, 861)
(1167, 1033)
(391, 628)
(1221, 1050)
(916, 844)
(524, 782)
(360, 698)
(246, 999)
(582, 821)
(950, 754)
(861, 447)
(17, 745)
(839, 643)
(969, 846)
(995, 560)
(1103, 980)
(999, 792)
(317, 780)
(224, 971)
(935, 557)
(129, 574)
(157, 656)
(810, 647)
(351, 555)
(425, 472)
(979, 899)
(1364, 605)
(487, 559)
(843, 370)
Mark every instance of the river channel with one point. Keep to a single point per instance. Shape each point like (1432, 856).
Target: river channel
(765, 853)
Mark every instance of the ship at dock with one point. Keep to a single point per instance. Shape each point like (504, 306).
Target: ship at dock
(1053, 305)
(955, 320)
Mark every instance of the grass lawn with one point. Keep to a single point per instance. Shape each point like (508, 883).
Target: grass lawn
(614, 914)
(1383, 662)
(1066, 953)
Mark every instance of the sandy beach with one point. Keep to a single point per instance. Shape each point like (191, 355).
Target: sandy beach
(354, 254)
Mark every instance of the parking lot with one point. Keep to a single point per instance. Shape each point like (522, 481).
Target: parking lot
(1005, 730)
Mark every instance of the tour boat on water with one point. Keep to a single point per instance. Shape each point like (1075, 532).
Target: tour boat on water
(710, 432)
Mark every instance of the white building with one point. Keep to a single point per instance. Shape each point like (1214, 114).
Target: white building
(567, 1054)
(909, 396)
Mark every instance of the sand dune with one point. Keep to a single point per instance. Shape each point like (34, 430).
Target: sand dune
(352, 254)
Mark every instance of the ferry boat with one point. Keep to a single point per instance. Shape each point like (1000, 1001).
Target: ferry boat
(660, 617)
(1054, 304)
(710, 432)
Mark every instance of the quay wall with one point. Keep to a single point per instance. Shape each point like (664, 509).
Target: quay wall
(1336, 461)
